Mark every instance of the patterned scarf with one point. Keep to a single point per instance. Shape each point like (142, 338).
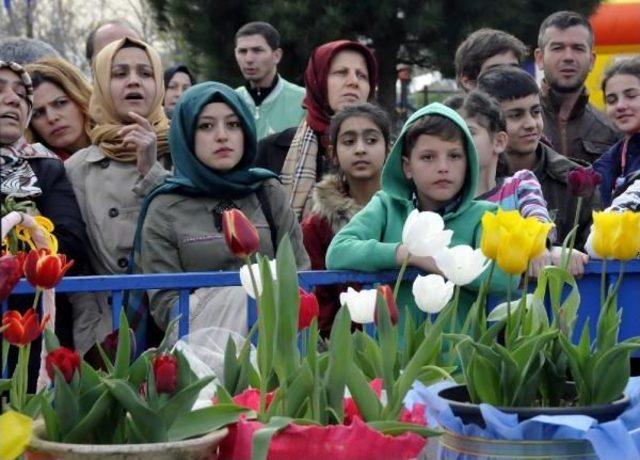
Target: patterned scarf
(103, 110)
(299, 173)
(16, 176)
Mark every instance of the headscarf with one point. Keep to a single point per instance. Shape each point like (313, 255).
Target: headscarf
(191, 176)
(103, 111)
(16, 176)
(316, 100)
(171, 71)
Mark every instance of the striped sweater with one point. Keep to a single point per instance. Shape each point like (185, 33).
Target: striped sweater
(520, 192)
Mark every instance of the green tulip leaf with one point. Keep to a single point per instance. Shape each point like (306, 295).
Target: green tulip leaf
(298, 390)
(231, 371)
(51, 342)
(206, 420)
(51, 423)
(262, 437)
(66, 403)
(181, 402)
(340, 359)
(94, 419)
(388, 344)
(393, 428)
(363, 395)
(123, 353)
(266, 320)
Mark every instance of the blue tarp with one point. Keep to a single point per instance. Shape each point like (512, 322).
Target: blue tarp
(619, 439)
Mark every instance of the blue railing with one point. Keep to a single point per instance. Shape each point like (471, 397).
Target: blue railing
(628, 299)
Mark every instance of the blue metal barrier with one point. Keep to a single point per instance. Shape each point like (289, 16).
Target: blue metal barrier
(628, 298)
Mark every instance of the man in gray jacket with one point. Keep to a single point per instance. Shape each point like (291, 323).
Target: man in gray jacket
(565, 54)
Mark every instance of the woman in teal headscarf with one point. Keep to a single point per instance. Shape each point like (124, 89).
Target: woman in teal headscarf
(213, 145)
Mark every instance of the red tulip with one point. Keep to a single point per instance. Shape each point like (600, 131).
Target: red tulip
(165, 371)
(583, 181)
(10, 273)
(67, 361)
(309, 309)
(21, 330)
(387, 294)
(239, 233)
(44, 269)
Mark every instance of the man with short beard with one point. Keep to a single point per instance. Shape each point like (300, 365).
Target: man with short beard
(565, 54)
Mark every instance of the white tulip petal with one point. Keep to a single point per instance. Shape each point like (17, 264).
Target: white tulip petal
(361, 305)
(431, 293)
(245, 277)
(461, 264)
(423, 233)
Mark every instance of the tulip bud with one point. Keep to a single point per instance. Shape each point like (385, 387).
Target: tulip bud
(44, 269)
(239, 233)
(387, 294)
(21, 330)
(461, 264)
(423, 233)
(582, 182)
(165, 372)
(361, 305)
(309, 309)
(10, 273)
(67, 361)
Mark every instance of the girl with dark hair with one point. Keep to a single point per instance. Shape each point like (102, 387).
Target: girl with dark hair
(339, 74)
(359, 136)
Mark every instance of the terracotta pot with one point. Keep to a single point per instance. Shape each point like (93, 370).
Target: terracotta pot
(202, 448)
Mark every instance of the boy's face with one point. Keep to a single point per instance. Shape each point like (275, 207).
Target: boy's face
(488, 146)
(437, 168)
(524, 124)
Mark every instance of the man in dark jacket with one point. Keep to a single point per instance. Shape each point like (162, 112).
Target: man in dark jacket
(565, 54)
(519, 99)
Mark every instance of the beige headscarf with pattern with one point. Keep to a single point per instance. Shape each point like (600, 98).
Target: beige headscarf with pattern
(102, 108)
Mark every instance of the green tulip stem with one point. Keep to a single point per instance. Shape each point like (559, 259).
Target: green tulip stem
(263, 378)
(572, 240)
(36, 298)
(508, 310)
(603, 283)
(454, 314)
(22, 371)
(403, 267)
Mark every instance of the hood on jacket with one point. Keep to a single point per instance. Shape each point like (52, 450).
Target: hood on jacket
(332, 203)
(399, 187)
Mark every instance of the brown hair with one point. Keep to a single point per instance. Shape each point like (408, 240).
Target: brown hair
(627, 66)
(69, 79)
(432, 125)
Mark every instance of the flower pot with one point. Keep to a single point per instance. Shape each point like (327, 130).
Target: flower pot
(202, 448)
(458, 399)
(336, 442)
(460, 447)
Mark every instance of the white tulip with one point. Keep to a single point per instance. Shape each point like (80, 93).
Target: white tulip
(461, 264)
(423, 233)
(500, 311)
(432, 293)
(361, 305)
(245, 277)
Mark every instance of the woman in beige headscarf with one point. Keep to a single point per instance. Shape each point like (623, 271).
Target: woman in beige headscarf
(125, 161)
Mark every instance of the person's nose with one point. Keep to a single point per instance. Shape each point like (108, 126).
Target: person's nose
(10, 97)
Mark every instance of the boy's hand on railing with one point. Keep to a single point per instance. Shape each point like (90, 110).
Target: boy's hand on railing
(577, 260)
(539, 263)
(426, 264)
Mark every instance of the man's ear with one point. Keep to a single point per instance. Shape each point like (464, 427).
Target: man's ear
(406, 168)
(500, 142)
(277, 55)
(539, 58)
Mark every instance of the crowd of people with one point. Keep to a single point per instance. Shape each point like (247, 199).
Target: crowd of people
(135, 167)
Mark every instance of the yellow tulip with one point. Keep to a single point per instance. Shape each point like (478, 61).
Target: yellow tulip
(490, 235)
(15, 430)
(514, 249)
(539, 232)
(23, 233)
(626, 240)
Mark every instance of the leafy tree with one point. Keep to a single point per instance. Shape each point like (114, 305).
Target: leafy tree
(421, 32)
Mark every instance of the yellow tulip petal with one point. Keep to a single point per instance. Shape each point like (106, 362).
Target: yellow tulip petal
(53, 243)
(604, 226)
(513, 250)
(490, 235)
(44, 223)
(509, 219)
(16, 432)
(626, 239)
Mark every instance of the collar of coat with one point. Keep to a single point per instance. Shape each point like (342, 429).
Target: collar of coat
(331, 201)
(553, 100)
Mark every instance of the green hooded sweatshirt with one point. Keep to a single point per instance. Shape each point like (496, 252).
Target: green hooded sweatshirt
(370, 240)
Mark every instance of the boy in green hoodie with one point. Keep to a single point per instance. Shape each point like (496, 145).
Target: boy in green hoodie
(433, 166)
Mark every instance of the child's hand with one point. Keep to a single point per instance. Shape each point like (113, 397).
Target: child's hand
(539, 263)
(426, 264)
(577, 260)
